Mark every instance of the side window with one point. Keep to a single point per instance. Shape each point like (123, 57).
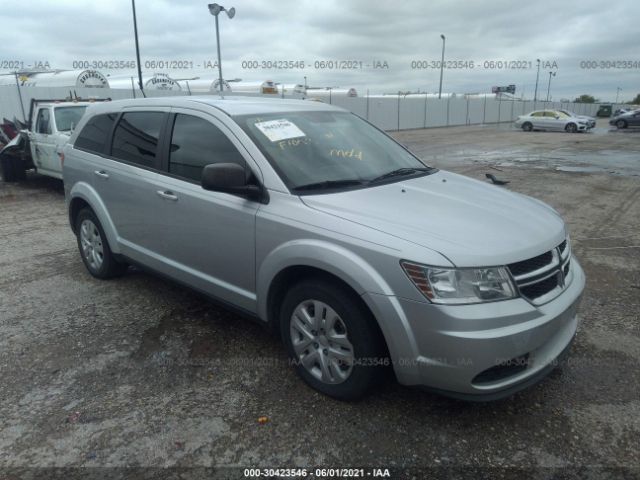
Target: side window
(536, 114)
(43, 122)
(93, 136)
(195, 143)
(136, 138)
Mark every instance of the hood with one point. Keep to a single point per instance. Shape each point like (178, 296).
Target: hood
(469, 222)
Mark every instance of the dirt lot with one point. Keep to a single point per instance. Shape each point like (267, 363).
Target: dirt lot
(139, 372)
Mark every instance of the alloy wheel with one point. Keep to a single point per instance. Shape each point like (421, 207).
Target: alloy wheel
(91, 242)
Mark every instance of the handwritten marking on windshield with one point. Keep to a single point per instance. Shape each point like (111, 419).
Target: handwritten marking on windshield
(353, 153)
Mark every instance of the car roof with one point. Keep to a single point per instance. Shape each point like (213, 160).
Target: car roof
(231, 105)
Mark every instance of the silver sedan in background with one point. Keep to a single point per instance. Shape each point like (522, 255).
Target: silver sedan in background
(551, 120)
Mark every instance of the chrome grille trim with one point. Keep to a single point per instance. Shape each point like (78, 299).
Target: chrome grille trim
(526, 282)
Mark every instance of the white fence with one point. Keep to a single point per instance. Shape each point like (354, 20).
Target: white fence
(389, 112)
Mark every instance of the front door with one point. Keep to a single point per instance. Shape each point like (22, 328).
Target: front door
(206, 238)
(43, 145)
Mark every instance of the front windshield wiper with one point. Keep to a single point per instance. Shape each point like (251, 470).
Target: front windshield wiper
(401, 171)
(328, 184)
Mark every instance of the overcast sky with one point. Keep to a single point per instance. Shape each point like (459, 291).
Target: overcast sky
(567, 33)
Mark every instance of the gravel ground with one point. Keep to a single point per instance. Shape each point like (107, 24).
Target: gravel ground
(139, 373)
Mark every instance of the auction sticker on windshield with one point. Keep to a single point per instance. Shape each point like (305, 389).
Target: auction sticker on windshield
(276, 130)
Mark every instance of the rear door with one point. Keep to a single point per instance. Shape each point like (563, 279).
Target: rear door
(42, 140)
(537, 119)
(126, 180)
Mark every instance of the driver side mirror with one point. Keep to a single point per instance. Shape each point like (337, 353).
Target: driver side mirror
(229, 178)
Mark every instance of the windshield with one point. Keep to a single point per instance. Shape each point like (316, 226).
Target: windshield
(68, 117)
(335, 149)
(562, 114)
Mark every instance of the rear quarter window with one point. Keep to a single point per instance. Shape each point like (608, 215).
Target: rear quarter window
(93, 137)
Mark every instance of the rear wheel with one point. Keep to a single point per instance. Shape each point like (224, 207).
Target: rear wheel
(332, 339)
(571, 128)
(527, 126)
(94, 247)
(6, 165)
(621, 124)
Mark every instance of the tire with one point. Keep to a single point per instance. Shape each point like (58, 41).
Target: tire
(621, 124)
(571, 128)
(359, 354)
(94, 247)
(527, 126)
(6, 165)
(19, 172)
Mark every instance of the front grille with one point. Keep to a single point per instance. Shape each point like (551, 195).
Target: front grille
(538, 277)
(541, 288)
(530, 265)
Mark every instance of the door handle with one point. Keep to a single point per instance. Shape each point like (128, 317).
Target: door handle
(167, 194)
(101, 174)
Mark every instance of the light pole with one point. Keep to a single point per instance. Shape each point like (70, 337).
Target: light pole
(215, 9)
(441, 67)
(535, 95)
(135, 33)
(617, 93)
(551, 74)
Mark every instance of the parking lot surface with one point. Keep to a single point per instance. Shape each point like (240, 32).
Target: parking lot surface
(140, 372)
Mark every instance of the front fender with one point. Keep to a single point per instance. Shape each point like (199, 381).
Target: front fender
(334, 259)
(84, 191)
(353, 270)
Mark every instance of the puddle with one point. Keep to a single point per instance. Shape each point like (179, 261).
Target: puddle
(614, 162)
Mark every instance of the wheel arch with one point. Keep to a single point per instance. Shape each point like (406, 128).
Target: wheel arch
(299, 260)
(84, 195)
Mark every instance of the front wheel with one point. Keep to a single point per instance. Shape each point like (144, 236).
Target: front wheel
(621, 124)
(332, 339)
(527, 126)
(571, 128)
(94, 247)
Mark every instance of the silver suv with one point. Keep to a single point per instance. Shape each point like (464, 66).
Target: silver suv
(325, 229)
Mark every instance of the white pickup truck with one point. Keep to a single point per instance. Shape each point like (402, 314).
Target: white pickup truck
(51, 122)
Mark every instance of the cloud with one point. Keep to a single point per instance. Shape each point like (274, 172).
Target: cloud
(566, 33)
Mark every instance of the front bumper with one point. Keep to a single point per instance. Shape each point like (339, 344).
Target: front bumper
(482, 351)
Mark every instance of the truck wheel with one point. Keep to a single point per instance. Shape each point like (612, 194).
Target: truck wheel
(19, 172)
(332, 339)
(6, 165)
(94, 247)
(527, 126)
(571, 128)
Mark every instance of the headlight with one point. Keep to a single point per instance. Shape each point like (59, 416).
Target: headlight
(461, 285)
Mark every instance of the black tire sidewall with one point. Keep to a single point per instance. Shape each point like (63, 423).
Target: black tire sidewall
(362, 331)
(527, 127)
(571, 128)
(621, 124)
(6, 164)
(110, 267)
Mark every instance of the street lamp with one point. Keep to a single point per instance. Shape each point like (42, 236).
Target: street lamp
(535, 95)
(215, 9)
(135, 34)
(617, 93)
(551, 74)
(441, 67)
